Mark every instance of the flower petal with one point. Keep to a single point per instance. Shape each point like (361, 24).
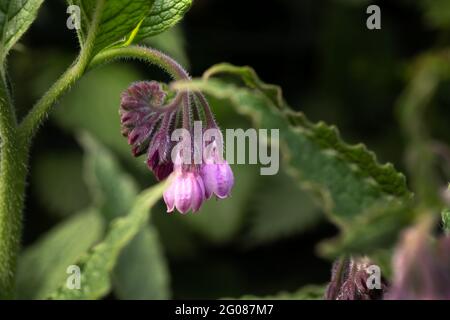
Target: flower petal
(169, 198)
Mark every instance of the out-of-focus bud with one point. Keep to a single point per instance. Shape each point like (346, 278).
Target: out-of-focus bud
(421, 268)
(353, 279)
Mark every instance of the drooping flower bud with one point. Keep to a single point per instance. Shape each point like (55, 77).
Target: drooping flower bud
(138, 113)
(149, 124)
(159, 150)
(186, 192)
(217, 174)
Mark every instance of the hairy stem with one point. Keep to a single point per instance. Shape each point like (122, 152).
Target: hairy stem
(148, 55)
(12, 186)
(39, 112)
(15, 145)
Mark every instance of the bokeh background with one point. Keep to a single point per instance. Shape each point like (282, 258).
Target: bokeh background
(262, 240)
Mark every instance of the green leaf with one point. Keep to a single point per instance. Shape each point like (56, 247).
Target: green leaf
(42, 266)
(141, 272)
(113, 191)
(348, 178)
(163, 15)
(50, 175)
(16, 17)
(97, 266)
(310, 292)
(116, 20)
(376, 228)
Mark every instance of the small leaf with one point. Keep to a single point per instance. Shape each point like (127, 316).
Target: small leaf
(97, 266)
(141, 272)
(116, 20)
(15, 18)
(42, 266)
(163, 15)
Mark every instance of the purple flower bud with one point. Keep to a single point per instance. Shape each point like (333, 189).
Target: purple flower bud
(349, 281)
(143, 95)
(137, 113)
(158, 155)
(217, 175)
(148, 124)
(186, 192)
(421, 269)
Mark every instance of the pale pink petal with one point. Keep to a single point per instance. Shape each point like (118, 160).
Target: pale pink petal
(183, 193)
(198, 194)
(169, 197)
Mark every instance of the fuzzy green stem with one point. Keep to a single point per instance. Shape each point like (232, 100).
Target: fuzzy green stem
(39, 112)
(15, 145)
(12, 187)
(148, 55)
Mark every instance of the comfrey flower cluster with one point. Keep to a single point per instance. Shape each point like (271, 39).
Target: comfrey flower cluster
(196, 168)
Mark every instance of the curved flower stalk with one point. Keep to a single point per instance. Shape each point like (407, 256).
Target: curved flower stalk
(195, 164)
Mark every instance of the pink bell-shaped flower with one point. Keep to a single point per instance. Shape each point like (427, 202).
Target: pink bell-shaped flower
(186, 192)
(216, 174)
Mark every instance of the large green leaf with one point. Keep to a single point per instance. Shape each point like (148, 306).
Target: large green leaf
(97, 265)
(42, 267)
(163, 15)
(15, 18)
(116, 19)
(114, 194)
(376, 228)
(348, 178)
